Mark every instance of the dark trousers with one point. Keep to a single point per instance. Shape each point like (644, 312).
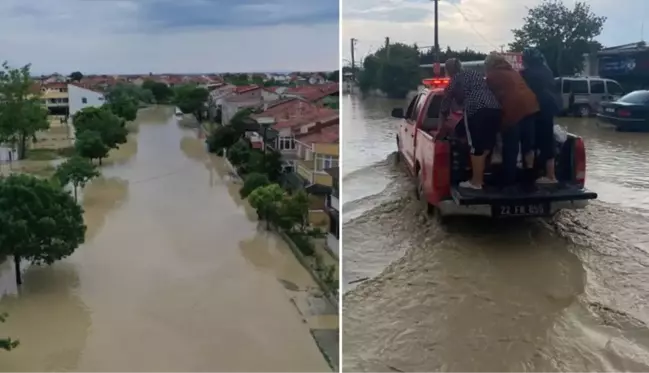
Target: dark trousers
(517, 137)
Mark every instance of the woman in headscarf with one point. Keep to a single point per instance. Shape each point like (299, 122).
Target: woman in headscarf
(519, 110)
(540, 79)
(482, 115)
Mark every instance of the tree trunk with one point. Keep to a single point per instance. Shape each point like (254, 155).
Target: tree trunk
(75, 193)
(100, 161)
(19, 275)
(22, 146)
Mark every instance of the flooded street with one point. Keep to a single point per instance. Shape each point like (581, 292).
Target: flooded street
(569, 294)
(175, 274)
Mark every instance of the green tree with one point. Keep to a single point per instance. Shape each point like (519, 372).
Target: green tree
(161, 92)
(266, 200)
(111, 128)
(40, 221)
(191, 99)
(89, 145)
(562, 34)
(294, 212)
(253, 181)
(239, 153)
(21, 111)
(7, 343)
(269, 164)
(393, 69)
(76, 171)
(76, 76)
(223, 137)
(333, 76)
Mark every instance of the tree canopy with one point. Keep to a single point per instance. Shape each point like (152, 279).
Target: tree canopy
(161, 92)
(191, 99)
(562, 34)
(76, 76)
(462, 55)
(110, 127)
(76, 171)
(88, 144)
(22, 113)
(393, 69)
(41, 222)
(266, 200)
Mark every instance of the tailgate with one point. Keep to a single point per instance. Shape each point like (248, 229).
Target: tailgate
(520, 203)
(540, 195)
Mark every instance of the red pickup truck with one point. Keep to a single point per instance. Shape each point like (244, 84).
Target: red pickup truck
(439, 164)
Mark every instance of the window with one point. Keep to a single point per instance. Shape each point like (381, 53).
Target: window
(636, 97)
(557, 84)
(597, 87)
(411, 107)
(286, 143)
(100, 98)
(614, 89)
(420, 105)
(580, 87)
(84, 100)
(324, 162)
(567, 85)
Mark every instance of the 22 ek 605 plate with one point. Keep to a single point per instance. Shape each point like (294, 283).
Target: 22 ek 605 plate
(520, 210)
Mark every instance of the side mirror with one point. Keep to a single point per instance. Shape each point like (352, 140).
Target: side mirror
(397, 113)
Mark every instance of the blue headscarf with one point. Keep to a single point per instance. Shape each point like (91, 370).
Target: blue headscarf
(533, 57)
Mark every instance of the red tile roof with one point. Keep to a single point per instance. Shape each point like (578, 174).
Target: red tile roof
(327, 135)
(314, 92)
(246, 88)
(55, 85)
(319, 115)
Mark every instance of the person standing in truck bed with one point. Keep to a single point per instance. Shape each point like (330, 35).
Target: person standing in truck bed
(520, 109)
(482, 116)
(540, 79)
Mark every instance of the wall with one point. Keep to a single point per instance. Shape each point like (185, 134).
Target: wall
(76, 95)
(322, 179)
(326, 149)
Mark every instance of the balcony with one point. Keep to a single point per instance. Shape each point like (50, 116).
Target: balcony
(305, 169)
(333, 203)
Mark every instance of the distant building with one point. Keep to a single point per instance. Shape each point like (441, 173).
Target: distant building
(627, 64)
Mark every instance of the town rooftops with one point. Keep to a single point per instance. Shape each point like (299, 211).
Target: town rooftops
(326, 135)
(625, 48)
(246, 88)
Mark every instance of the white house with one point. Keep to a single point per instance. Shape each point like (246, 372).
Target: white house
(80, 98)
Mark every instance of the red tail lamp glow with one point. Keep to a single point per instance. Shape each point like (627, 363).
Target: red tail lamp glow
(436, 82)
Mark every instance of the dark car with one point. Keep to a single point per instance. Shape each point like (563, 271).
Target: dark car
(628, 114)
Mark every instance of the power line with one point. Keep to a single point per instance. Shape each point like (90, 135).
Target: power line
(473, 27)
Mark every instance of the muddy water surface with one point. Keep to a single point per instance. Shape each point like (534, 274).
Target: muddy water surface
(175, 274)
(568, 294)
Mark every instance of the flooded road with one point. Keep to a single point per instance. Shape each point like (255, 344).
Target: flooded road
(175, 274)
(569, 294)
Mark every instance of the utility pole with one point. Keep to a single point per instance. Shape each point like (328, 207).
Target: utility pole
(436, 30)
(353, 47)
(387, 47)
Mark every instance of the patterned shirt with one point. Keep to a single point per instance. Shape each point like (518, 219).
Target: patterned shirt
(468, 88)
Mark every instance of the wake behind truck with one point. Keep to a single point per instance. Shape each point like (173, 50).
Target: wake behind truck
(440, 164)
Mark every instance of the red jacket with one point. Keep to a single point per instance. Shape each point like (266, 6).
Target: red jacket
(516, 98)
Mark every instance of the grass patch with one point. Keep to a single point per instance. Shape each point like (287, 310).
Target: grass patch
(46, 154)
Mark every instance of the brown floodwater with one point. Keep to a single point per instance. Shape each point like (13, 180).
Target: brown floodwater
(565, 294)
(175, 275)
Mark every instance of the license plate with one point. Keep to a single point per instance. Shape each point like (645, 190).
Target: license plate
(609, 110)
(513, 210)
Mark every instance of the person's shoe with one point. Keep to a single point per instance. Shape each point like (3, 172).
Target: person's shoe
(468, 185)
(546, 181)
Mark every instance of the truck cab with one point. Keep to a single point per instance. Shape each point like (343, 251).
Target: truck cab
(440, 164)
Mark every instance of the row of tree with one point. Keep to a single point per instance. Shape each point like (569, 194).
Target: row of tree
(41, 221)
(561, 33)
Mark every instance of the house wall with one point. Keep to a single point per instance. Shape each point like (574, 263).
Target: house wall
(269, 96)
(318, 218)
(326, 149)
(322, 179)
(76, 96)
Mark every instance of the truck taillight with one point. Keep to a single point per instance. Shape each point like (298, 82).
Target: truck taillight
(580, 161)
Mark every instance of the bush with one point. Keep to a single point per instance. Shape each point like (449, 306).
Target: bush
(239, 153)
(303, 243)
(223, 137)
(252, 182)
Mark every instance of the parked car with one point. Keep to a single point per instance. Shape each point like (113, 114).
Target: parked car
(628, 114)
(440, 164)
(588, 93)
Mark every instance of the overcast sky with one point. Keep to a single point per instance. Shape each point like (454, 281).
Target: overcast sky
(479, 24)
(142, 36)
